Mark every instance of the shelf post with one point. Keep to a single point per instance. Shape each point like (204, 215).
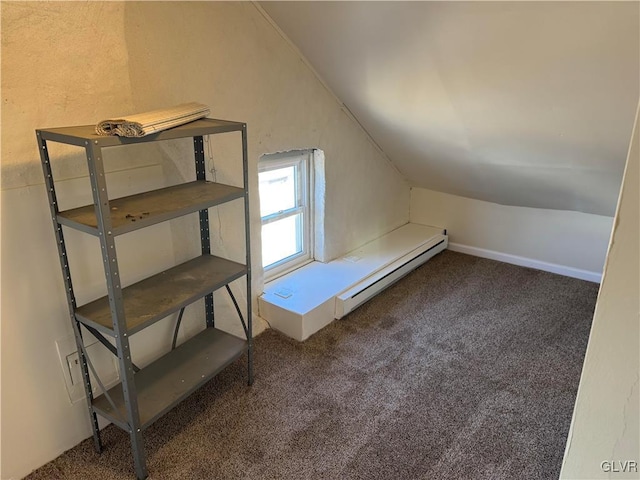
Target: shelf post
(68, 286)
(247, 222)
(116, 303)
(205, 240)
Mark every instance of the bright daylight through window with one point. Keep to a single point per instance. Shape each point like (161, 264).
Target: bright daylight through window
(284, 181)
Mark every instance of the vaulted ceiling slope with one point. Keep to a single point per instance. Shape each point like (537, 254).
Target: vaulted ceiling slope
(519, 103)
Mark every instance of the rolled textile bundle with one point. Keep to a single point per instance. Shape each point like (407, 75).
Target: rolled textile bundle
(142, 124)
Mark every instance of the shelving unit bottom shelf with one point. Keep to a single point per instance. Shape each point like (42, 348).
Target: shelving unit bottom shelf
(174, 376)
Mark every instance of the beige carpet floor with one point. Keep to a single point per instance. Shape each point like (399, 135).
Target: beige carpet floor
(465, 369)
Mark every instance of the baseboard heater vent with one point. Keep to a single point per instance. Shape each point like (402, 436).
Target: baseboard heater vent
(361, 292)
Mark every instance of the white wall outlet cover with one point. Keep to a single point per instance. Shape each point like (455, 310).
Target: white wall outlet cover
(104, 362)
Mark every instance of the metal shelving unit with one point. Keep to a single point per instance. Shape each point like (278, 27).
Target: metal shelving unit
(143, 395)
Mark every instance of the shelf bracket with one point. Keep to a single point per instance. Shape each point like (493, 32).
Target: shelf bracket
(235, 304)
(175, 332)
(107, 344)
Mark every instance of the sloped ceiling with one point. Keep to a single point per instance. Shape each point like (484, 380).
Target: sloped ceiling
(527, 104)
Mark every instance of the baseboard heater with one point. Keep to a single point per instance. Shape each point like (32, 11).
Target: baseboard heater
(356, 295)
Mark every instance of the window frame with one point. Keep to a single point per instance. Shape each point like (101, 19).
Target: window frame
(302, 159)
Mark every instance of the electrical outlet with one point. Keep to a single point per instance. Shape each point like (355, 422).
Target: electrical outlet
(103, 361)
(73, 364)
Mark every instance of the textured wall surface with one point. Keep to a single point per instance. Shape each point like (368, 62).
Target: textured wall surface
(228, 56)
(69, 63)
(50, 77)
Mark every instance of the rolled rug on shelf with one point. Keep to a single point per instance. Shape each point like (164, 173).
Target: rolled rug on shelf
(142, 124)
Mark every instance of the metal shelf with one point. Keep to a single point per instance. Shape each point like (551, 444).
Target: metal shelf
(86, 134)
(142, 210)
(170, 379)
(144, 395)
(156, 297)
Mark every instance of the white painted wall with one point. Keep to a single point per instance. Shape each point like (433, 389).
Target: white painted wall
(226, 55)
(606, 422)
(566, 242)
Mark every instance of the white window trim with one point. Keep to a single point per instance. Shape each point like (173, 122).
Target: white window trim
(304, 159)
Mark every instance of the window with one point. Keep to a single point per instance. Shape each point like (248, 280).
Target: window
(285, 184)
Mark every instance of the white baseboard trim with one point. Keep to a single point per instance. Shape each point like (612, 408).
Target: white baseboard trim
(527, 262)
